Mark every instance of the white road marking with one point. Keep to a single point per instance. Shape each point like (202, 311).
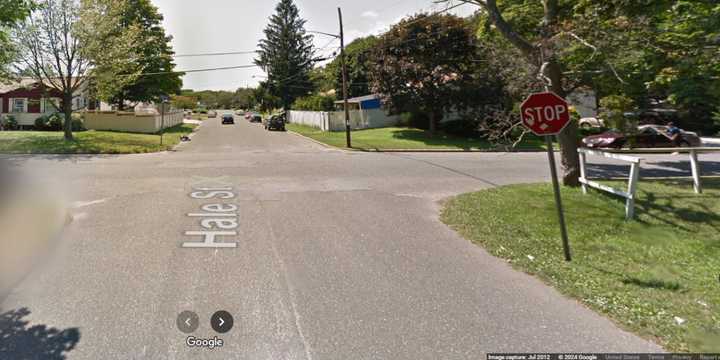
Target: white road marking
(80, 216)
(81, 204)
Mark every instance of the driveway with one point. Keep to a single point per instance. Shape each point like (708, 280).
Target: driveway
(338, 255)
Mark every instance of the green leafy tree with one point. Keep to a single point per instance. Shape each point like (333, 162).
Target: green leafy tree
(263, 99)
(111, 45)
(11, 13)
(425, 64)
(50, 50)
(358, 63)
(183, 102)
(285, 54)
(147, 70)
(242, 98)
(539, 44)
(649, 51)
(315, 103)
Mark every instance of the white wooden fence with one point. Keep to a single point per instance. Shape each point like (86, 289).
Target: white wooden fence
(635, 170)
(335, 120)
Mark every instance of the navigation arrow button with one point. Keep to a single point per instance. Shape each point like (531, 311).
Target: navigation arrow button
(187, 322)
(221, 322)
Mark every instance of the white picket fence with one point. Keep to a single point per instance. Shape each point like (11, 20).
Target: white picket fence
(335, 120)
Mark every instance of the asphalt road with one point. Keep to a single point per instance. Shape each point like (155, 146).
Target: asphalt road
(339, 255)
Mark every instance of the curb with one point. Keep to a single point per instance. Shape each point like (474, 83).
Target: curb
(317, 142)
(448, 151)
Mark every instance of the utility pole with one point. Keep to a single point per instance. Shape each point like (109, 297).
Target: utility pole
(344, 78)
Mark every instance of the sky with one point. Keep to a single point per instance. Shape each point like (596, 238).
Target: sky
(219, 26)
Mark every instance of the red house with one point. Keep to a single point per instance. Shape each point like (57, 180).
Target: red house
(26, 101)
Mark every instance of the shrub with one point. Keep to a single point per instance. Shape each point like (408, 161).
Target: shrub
(465, 127)
(11, 123)
(52, 122)
(315, 103)
(41, 123)
(77, 123)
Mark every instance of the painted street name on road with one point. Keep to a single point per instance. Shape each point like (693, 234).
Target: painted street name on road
(218, 219)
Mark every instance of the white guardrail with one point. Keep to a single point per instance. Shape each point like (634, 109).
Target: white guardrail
(629, 195)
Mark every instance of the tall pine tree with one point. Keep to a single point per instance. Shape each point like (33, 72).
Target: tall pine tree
(286, 54)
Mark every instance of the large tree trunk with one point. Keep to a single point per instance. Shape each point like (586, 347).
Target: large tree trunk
(435, 118)
(569, 137)
(67, 110)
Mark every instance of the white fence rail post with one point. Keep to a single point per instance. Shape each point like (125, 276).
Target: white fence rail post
(583, 175)
(633, 178)
(632, 189)
(695, 165)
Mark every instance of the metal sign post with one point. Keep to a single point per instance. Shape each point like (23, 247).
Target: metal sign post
(558, 198)
(164, 100)
(546, 114)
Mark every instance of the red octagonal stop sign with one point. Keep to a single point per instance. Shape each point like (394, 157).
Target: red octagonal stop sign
(545, 113)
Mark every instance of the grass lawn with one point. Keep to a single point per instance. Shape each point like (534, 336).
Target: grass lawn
(89, 142)
(394, 138)
(642, 274)
(200, 117)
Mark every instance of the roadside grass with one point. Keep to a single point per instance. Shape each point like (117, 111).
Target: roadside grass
(200, 117)
(90, 142)
(642, 273)
(398, 138)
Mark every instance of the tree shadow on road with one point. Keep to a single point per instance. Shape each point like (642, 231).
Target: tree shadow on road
(20, 340)
(653, 169)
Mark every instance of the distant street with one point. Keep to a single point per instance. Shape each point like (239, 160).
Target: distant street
(339, 255)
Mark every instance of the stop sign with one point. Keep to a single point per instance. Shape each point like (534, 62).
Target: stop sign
(545, 113)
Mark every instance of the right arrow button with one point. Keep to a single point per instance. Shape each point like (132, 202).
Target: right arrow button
(221, 321)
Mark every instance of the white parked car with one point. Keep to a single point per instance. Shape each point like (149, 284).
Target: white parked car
(591, 122)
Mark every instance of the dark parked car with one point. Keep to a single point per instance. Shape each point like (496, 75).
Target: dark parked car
(228, 119)
(648, 136)
(275, 122)
(256, 118)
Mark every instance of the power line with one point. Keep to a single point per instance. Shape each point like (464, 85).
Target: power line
(216, 54)
(193, 70)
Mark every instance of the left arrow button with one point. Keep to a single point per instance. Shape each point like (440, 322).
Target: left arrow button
(188, 322)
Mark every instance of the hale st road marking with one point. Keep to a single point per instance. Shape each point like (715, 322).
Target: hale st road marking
(217, 220)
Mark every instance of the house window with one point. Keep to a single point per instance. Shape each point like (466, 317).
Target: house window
(18, 105)
(48, 107)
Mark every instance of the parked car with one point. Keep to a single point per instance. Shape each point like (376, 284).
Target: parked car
(591, 122)
(212, 114)
(228, 119)
(648, 136)
(256, 118)
(275, 122)
(239, 112)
